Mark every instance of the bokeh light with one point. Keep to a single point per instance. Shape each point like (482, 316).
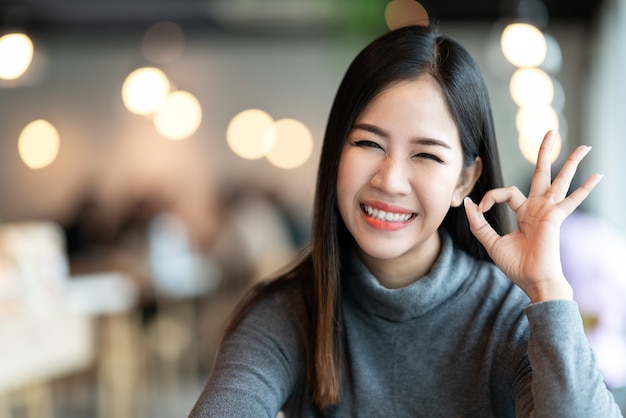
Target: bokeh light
(251, 134)
(179, 116)
(144, 90)
(163, 42)
(16, 54)
(400, 13)
(293, 146)
(532, 125)
(531, 87)
(535, 122)
(523, 45)
(529, 146)
(38, 144)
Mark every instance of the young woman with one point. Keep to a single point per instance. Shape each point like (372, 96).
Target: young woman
(412, 299)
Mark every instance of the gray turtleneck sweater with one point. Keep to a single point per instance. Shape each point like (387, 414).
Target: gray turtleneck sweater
(463, 341)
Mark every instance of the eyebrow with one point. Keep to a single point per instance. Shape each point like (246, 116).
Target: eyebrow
(382, 133)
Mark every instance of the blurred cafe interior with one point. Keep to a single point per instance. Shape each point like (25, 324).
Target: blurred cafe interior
(158, 157)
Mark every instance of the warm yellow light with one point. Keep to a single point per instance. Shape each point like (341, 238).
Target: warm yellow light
(293, 146)
(531, 87)
(523, 45)
(534, 122)
(400, 13)
(16, 54)
(532, 125)
(144, 90)
(529, 146)
(38, 144)
(251, 134)
(179, 116)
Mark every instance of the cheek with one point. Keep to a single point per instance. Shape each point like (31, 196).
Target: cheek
(437, 192)
(352, 176)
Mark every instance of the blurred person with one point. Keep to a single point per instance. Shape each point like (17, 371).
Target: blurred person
(412, 300)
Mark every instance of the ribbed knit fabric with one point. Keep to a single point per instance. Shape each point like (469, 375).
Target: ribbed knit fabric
(462, 341)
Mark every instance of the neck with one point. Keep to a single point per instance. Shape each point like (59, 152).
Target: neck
(404, 270)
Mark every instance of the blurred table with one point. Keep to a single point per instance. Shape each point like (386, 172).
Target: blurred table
(93, 323)
(39, 348)
(35, 349)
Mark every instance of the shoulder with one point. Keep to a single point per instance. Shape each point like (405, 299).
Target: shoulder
(262, 357)
(285, 299)
(277, 310)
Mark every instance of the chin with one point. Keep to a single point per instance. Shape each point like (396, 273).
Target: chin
(383, 252)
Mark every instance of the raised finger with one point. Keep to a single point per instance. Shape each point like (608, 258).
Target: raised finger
(541, 177)
(569, 204)
(563, 180)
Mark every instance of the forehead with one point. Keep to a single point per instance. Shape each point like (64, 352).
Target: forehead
(412, 107)
(421, 89)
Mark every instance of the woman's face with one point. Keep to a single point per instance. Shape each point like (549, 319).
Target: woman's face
(400, 170)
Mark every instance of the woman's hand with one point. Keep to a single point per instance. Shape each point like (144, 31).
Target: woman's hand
(530, 256)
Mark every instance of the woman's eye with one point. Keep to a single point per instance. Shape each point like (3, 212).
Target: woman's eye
(366, 143)
(429, 156)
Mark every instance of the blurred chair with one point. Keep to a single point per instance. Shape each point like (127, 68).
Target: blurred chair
(181, 275)
(112, 299)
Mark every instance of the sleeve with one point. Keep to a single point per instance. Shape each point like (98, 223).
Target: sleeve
(256, 367)
(561, 378)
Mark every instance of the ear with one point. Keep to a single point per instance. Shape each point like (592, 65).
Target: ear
(467, 180)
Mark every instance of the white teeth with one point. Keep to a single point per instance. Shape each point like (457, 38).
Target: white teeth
(381, 215)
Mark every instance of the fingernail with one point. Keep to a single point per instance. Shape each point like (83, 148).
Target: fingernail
(467, 200)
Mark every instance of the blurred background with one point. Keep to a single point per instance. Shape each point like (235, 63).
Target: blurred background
(159, 157)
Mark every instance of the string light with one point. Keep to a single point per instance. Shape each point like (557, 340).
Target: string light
(38, 144)
(532, 88)
(16, 54)
(293, 145)
(144, 90)
(285, 143)
(179, 116)
(251, 134)
(523, 45)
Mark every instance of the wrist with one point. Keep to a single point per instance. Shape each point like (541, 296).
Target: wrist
(551, 290)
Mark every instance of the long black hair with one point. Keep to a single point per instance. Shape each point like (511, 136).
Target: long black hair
(403, 54)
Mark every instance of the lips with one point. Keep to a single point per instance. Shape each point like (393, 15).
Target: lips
(386, 217)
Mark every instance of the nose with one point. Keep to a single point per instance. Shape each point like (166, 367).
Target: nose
(392, 177)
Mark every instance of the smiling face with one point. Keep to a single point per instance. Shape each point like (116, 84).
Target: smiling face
(400, 170)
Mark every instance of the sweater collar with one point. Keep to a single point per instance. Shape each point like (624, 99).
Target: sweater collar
(446, 276)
